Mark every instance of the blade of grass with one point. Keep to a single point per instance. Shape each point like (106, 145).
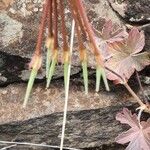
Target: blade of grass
(67, 88)
(29, 86)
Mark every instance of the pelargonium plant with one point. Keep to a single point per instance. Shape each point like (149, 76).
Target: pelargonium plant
(117, 55)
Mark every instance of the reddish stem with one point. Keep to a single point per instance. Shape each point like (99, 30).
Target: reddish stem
(76, 16)
(49, 19)
(41, 28)
(63, 26)
(89, 30)
(78, 29)
(55, 25)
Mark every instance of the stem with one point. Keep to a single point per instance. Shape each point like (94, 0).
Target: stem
(55, 48)
(66, 53)
(81, 46)
(83, 55)
(133, 94)
(50, 39)
(41, 28)
(63, 26)
(49, 19)
(76, 16)
(122, 79)
(67, 89)
(127, 87)
(55, 25)
(89, 30)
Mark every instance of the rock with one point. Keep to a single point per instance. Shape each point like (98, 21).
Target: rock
(146, 29)
(47, 101)
(15, 69)
(22, 16)
(133, 11)
(11, 68)
(19, 22)
(84, 129)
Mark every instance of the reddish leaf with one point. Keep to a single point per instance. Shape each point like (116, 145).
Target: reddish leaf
(126, 57)
(138, 135)
(110, 33)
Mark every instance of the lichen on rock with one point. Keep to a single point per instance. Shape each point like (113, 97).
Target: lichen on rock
(11, 30)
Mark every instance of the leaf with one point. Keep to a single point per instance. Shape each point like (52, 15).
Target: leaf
(126, 57)
(110, 33)
(138, 135)
(126, 117)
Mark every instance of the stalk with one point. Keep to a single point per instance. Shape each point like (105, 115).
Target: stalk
(76, 15)
(66, 53)
(83, 59)
(95, 49)
(82, 50)
(49, 19)
(49, 46)
(139, 101)
(50, 39)
(41, 28)
(67, 90)
(36, 61)
(55, 49)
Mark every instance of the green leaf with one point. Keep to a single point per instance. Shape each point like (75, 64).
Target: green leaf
(29, 86)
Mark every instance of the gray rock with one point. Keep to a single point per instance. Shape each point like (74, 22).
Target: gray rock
(135, 11)
(84, 129)
(19, 24)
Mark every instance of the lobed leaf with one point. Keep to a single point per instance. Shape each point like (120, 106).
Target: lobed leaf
(110, 33)
(126, 57)
(138, 135)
